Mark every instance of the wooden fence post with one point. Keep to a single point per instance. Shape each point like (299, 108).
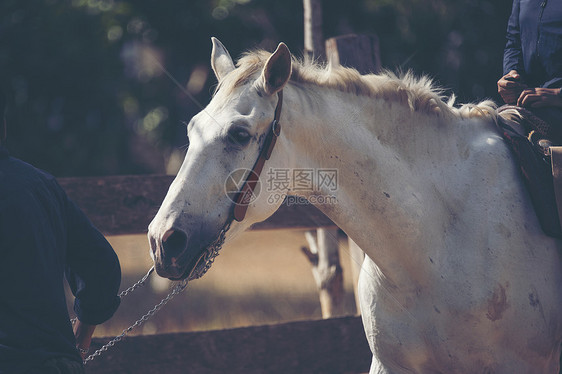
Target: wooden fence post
(355, 51)
(323, 254)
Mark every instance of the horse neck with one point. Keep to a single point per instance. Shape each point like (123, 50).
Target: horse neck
(376, 149)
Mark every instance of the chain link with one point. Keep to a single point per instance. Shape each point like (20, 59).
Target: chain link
(139, 283)
(198, 271)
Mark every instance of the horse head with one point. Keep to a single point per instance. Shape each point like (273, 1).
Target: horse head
(225, 140)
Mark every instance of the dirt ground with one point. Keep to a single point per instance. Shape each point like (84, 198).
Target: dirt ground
(260, 278)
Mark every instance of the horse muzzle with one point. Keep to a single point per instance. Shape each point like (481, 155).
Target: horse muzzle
(176, 253)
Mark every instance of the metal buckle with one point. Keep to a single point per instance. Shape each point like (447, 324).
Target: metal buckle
(276, 127)
(545, 145)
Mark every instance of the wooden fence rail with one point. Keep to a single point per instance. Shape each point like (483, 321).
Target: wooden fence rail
(325, 346)
(126, 204)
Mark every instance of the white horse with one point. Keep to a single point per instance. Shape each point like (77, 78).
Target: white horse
(458, 276)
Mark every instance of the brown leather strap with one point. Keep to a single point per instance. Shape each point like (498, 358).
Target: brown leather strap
(556, 161)
(245, 194)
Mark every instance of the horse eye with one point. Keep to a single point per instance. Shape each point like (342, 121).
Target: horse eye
(238, 136)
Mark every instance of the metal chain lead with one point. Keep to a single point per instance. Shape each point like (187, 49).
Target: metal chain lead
(209, 255)
(176, 290)
(139, 283)
(200, 269)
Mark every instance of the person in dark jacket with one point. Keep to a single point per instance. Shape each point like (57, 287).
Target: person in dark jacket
(531, 88)
(532, 64)
(43, 238)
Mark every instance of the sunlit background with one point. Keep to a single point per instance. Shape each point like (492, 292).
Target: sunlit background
(259, 278)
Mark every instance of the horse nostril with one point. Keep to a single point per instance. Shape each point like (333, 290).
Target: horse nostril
(174, 242)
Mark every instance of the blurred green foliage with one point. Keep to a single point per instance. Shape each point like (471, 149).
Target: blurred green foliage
(93, 84)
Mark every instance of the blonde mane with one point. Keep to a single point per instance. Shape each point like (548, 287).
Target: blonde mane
(418, 93)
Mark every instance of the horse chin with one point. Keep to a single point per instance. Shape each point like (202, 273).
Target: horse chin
(172, 275)
(195, 266)
(177, 272)
(170, 272)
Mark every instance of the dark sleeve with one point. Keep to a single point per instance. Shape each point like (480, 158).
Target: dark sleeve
(92, 269)
(513, 56)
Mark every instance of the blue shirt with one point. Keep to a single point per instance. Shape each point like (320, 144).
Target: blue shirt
(534, 42)
(43, 237)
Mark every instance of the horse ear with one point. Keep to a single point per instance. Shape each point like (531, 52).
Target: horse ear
(277, 70)
(221, 62)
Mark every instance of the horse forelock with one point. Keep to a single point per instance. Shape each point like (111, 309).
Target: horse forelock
(420, 94)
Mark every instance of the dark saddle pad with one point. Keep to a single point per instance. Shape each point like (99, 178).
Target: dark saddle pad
(530, 147)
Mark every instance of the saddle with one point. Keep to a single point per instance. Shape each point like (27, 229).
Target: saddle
(532, 141)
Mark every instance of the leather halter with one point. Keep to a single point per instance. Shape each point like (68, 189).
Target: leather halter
(247, 191)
